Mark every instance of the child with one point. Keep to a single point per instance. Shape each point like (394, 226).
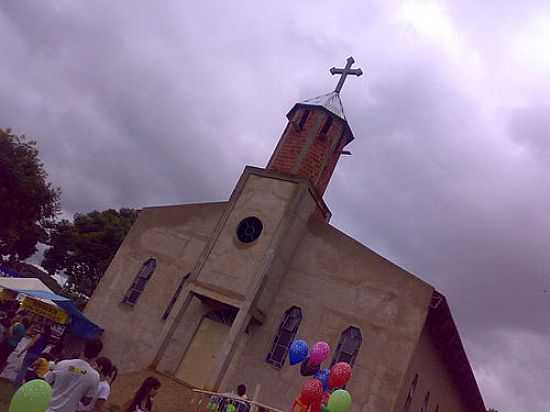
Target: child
(105, 369)
(143, 399)
(40, 367)
(238, 406)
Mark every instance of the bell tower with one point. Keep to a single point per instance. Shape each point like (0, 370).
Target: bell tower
(315, 136)
(239, 272)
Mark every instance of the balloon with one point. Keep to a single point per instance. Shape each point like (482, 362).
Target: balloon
(312, 391)
(315, 406)
(340, 374)
(298, 351)
(325, 398)
(339, 401)
(323, 376)
(319, 352)
(308, 370)
(324, 408)
(33, 396)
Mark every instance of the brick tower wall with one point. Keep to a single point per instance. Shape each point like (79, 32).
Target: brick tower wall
(306, 151)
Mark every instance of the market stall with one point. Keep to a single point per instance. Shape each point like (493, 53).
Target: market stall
(34, 298)
(31, 298)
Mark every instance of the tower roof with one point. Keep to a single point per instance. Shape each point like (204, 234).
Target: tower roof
(330, 101)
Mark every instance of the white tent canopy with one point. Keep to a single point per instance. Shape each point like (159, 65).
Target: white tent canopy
(24, 283)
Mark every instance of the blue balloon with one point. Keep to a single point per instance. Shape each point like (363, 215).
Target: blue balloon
(323, 376)
(298, 351)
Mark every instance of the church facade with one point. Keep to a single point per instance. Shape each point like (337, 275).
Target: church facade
(211, 295)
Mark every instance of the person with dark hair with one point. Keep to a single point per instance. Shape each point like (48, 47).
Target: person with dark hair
(73, 380)
(33, 350)
(15, 333)
(241, 391)
(238, 405)
(143, 399)
(105, 368)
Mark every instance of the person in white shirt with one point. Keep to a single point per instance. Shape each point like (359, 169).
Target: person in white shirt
(74, 379)
(107, 375)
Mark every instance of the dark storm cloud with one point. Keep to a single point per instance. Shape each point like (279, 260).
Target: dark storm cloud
(136, 104)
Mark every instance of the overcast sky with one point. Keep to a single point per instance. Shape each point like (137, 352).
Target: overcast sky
(148, 103)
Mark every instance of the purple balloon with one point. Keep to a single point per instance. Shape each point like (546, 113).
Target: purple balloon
(319, 352)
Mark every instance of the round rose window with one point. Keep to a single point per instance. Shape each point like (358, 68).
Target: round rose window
(249, 229)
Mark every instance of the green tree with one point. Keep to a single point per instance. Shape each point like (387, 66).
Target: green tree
(28, 202)
(83, 249)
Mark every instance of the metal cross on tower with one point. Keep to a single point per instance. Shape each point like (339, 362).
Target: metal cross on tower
(345, 72)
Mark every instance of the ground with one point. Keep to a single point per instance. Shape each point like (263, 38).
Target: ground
(171, 397)
(6, 392)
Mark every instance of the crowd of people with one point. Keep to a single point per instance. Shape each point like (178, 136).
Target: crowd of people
(83, 383)
(80, 384)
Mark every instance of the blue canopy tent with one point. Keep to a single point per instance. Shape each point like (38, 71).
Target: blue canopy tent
(79, 325)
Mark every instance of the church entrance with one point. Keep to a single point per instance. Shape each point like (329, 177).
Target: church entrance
(200, 357)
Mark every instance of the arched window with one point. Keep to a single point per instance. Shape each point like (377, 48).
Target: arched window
(426, 403)
(410, 395)
(285, 335)
(348, 347)
(138, 285)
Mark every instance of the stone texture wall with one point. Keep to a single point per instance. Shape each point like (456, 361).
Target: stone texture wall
(433, 377)
(337, 283)
(175, 236)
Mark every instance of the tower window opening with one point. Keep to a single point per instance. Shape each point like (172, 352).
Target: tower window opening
(326, 126)
(303, 119)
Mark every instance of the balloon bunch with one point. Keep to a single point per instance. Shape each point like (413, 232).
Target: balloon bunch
(321, 393)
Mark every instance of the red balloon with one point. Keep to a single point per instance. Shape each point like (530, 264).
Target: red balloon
(315, 406)
(325, 398)
(312, 391)
(340, 374)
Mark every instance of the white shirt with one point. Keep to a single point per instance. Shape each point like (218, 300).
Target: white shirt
(72, 380)
(103, 392)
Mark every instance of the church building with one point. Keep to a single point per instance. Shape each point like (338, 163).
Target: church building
(211, 295)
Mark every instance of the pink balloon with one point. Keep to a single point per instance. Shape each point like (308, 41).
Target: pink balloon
(319, 352)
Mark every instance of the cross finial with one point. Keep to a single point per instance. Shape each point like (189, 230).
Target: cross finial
(345, 72)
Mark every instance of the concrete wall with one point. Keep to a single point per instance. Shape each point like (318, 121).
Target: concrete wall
(233, 265)
(175, 236)
(338, 283)
(433, 376)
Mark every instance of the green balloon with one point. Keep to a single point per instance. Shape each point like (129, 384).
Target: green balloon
(339, 401)
(324, 408)
(34, 396)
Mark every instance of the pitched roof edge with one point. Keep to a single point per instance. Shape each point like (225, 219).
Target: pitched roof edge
(443, 330)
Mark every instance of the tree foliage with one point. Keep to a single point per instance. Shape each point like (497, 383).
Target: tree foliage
(28, 203)
(84, 248)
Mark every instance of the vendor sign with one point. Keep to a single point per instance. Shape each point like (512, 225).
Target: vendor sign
(43, 309)
(6, 294)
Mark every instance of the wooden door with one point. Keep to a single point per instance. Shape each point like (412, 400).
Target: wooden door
(200, 357)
